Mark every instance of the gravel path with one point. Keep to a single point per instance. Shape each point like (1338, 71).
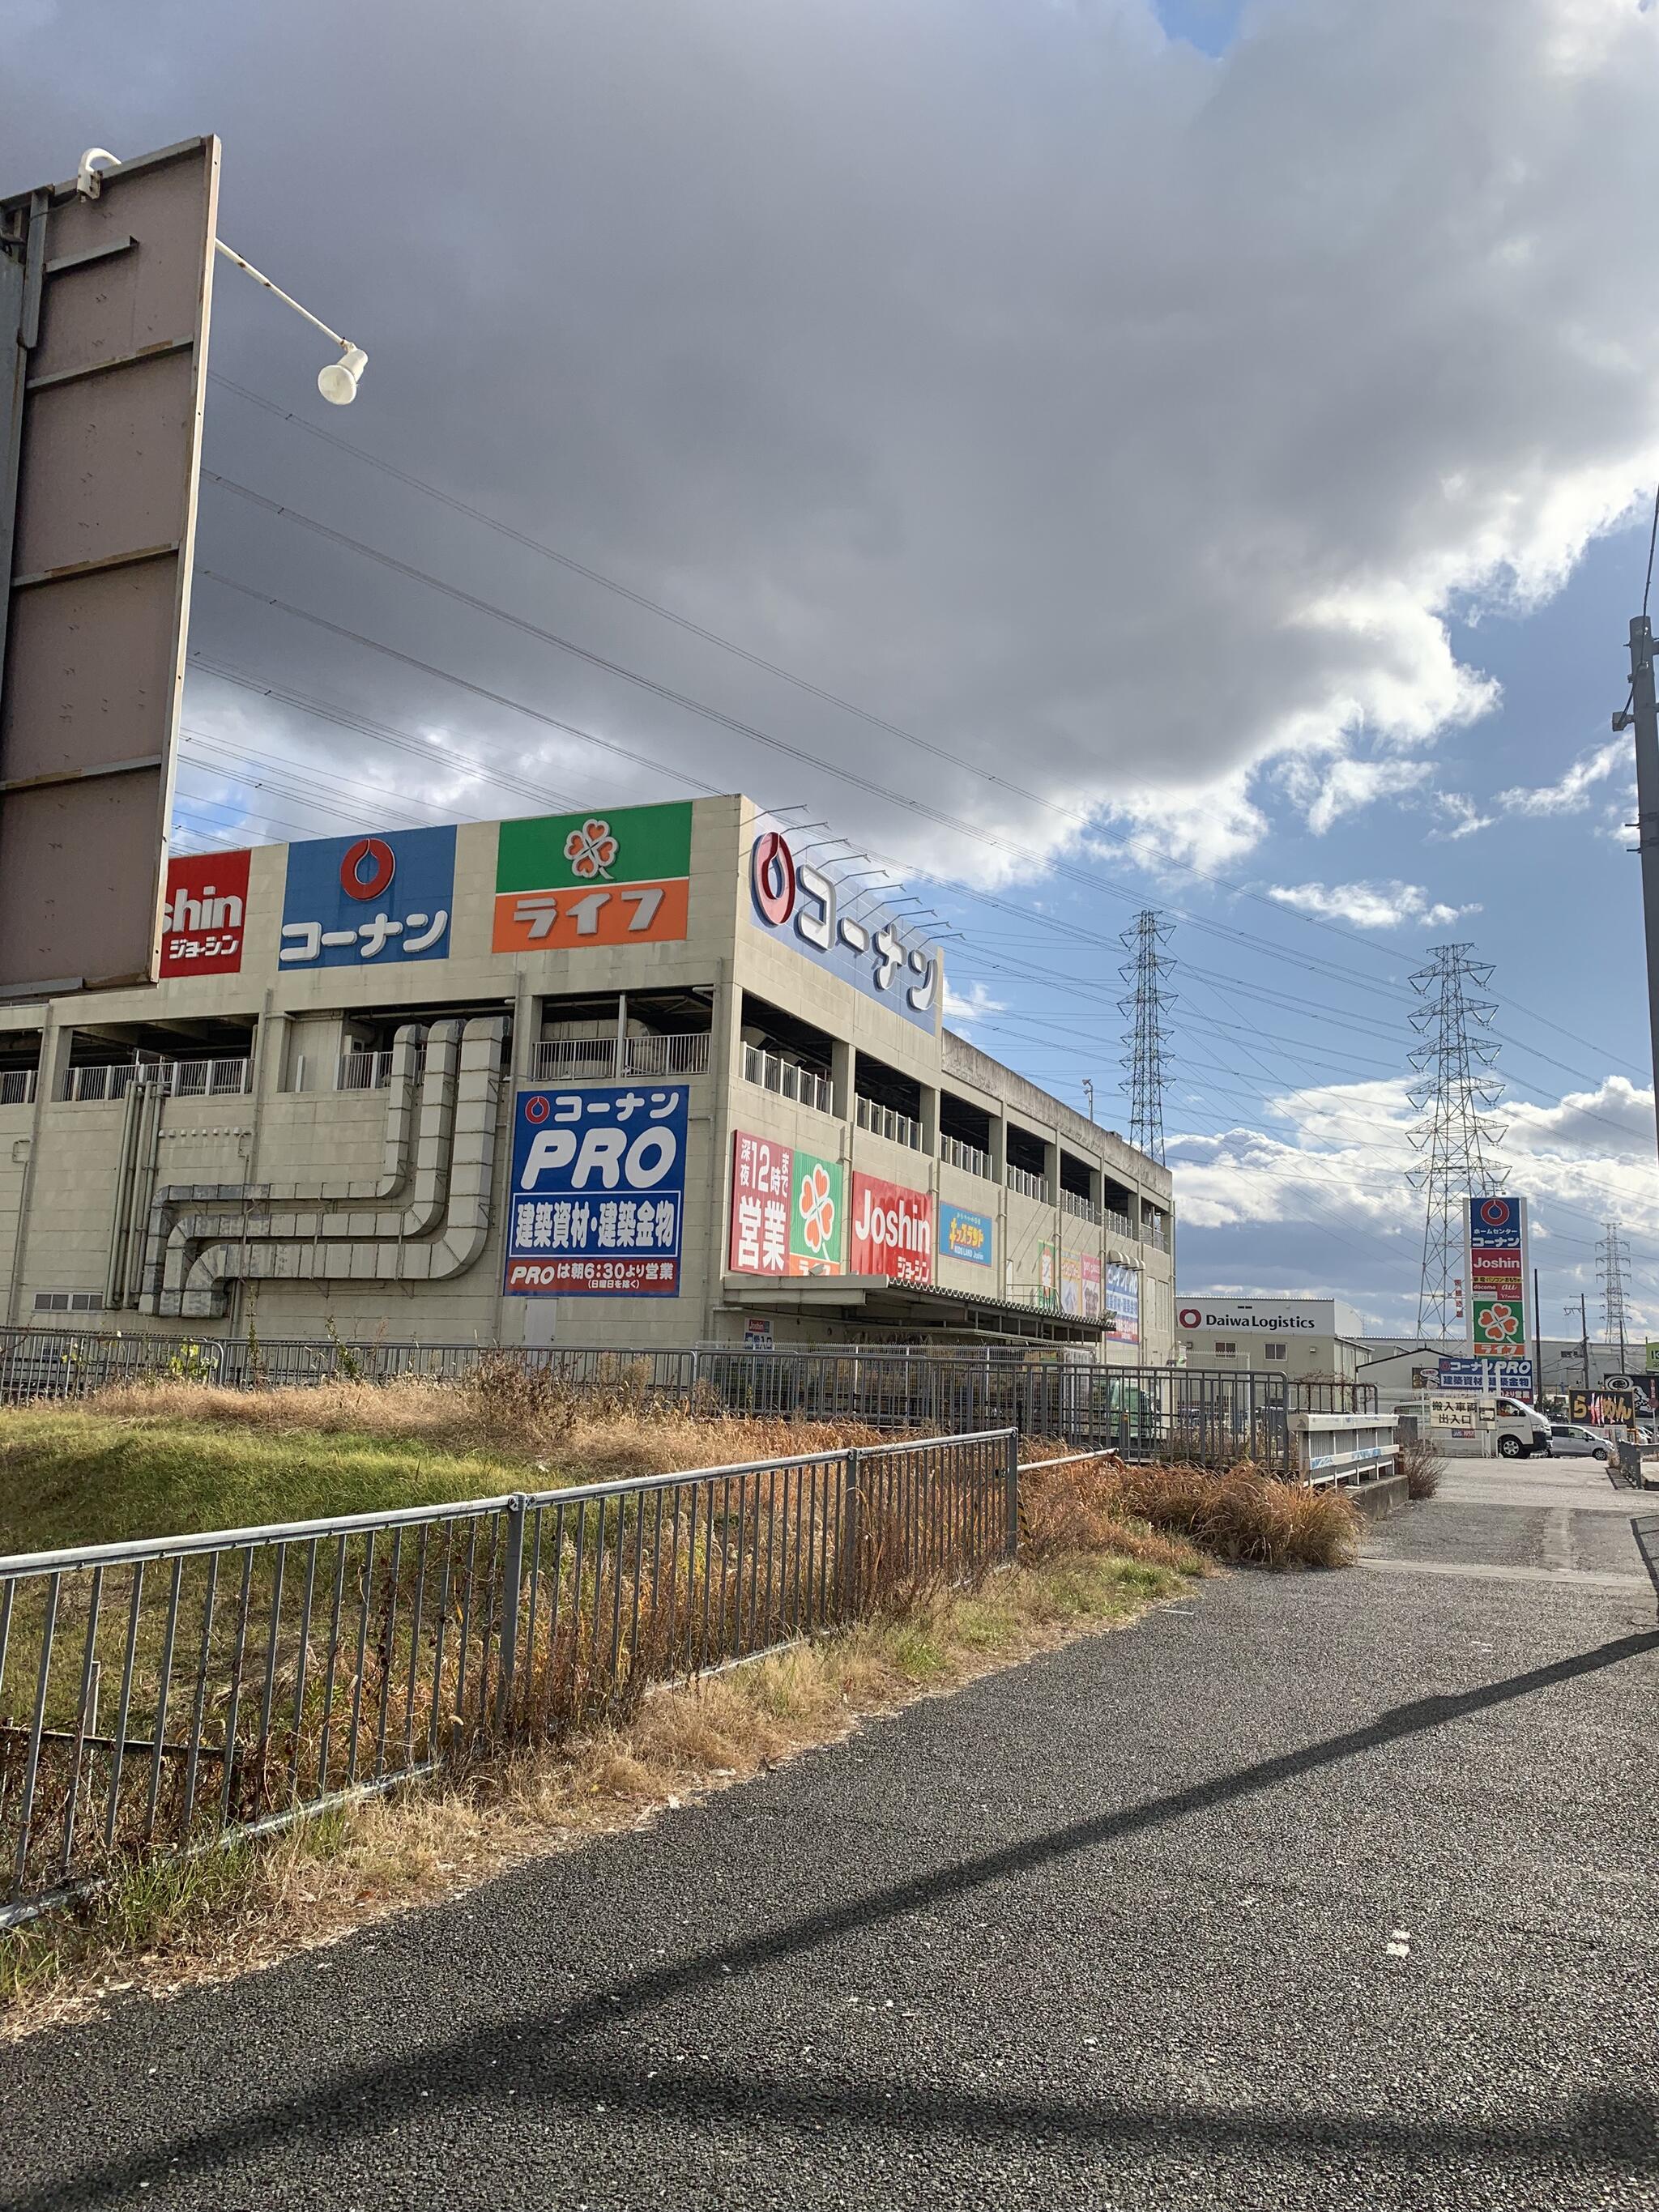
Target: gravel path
(1306, 1892)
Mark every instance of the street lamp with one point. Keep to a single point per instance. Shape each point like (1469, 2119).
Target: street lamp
(337, 380)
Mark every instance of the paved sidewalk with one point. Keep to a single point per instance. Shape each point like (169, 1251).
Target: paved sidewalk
(1308, 1892)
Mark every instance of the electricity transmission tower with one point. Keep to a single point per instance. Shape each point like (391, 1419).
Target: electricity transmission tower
(1613, 1273)
(1143, 1044)
(1456, 1087)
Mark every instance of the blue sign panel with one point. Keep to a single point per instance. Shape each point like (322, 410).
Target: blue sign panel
(351, 900)
(598, 1192)
(1495, 1224)
(1509, 1378)
(964, 1236)
(839, 926)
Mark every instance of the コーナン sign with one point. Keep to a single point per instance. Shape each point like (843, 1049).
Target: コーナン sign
(599, 1193)
(892, 1230)
(353, 899)
(789, 898)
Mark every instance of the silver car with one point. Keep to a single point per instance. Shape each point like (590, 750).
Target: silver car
(1569, 1441)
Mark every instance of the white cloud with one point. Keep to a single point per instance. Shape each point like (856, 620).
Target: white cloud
(1462, 816)
(974, 1003)
(1328, 790)
(1371, 906)
(1323, 1195)
(1119, 418)
(1572, 793)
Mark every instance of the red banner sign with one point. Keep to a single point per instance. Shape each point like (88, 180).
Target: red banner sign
(892, 1230)
(759, 1206)
(202, 921)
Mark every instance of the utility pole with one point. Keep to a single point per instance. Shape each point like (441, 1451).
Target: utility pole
(1537, 1343)
(1583, 1337)
(1457, 1086)
(1089, 1093)
(1644, 713)
(1143, 1046)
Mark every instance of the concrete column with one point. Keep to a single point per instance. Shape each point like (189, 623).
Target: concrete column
(840, 1079)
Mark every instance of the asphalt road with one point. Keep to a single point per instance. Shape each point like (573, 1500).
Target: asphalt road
(1308, 1892)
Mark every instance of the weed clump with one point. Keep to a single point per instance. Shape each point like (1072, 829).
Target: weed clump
(1242, 1515)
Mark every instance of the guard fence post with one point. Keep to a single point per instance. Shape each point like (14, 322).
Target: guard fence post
(512, 1584)
(850, 1532)
(1011, 1495)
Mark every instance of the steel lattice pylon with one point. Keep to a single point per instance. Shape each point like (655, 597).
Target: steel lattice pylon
(1143, 1045)
(1613, 1273)
(1456, 1089)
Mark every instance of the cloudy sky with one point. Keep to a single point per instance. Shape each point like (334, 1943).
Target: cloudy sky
(1096, 454)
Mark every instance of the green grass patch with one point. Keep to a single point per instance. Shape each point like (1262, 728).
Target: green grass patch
(69, 1478)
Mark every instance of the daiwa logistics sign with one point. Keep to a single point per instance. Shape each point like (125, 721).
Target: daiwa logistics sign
(1268, 1317)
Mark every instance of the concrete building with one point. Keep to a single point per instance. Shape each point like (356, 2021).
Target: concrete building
(1312, 1339)
(1405, 1366)
(642, 1077)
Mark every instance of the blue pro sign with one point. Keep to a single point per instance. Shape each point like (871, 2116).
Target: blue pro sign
(598, 1192)
(350, 901)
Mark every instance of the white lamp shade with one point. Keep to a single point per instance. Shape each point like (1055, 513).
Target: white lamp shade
(338, 382)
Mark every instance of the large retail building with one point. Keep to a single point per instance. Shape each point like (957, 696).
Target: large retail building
(649, 1075)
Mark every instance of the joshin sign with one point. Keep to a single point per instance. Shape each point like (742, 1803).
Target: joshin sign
(892, 1230)
(598, 1189)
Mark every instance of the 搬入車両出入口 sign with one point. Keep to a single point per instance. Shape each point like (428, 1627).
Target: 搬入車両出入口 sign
(597, 1198)
(620, 875)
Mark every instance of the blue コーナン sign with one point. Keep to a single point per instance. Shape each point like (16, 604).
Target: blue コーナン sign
(598, 1192)
(350, 900)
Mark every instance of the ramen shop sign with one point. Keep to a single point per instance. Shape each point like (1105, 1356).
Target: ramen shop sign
(891, 1231)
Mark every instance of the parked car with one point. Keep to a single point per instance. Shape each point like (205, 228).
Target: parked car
(1569, 1441)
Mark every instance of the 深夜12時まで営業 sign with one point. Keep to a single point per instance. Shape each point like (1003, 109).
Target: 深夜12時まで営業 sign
(619, 876)
(844, 931)
(786, 1214)
(598, 1192)
(964, 1236)
(205, 916)
(351, 900)
(1496, 1251)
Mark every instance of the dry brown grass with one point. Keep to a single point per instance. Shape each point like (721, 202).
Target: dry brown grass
(1419, 1464)
(247, 1905)
(1242, 1515)
(500, 1410)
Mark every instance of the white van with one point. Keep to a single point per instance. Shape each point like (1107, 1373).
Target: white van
(1520, 1430)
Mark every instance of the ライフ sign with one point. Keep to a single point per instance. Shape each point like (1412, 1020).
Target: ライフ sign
(622, 876)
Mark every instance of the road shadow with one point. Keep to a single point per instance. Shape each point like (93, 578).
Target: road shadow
(468, 2066)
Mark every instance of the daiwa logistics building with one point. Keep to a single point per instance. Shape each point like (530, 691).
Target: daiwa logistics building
(646, 1076)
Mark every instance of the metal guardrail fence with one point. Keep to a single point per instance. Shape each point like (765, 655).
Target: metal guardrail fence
(1204, 1413)
(155, 1696)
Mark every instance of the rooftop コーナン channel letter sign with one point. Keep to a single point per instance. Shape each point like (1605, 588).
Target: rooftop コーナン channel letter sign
(619, 875)
(103, 309)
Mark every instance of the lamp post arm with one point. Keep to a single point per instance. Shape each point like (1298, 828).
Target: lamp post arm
(259, 278)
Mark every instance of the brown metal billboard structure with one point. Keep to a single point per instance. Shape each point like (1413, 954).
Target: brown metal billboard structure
(104, 306)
